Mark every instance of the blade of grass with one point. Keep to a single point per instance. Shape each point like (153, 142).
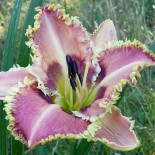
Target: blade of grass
(84, 147)
(3, 132)
(72, 144)
(7, 62)
(39, 151)
(17, 148)
(24, 50)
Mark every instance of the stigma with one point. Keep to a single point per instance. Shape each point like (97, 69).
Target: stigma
(73, 71)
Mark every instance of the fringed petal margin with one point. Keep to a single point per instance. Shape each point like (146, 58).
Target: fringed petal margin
(115, 131)
(120, 64)
(35, 120)
(105, 33)
(55, 35)
(11, 78)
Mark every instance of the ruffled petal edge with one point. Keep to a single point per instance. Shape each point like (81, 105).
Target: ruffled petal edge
(97, 124)
(89, 132)
(133, 75)
(67, 20)
(107, 105)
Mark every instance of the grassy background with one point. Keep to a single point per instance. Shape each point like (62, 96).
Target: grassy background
(133, 19)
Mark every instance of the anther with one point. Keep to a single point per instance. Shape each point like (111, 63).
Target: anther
(74, 69)
(69, 60)
(73, 83)
(80, 78)
(69, 64)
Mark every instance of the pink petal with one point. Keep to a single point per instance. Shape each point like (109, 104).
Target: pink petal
(34, 119)
(92, 111)
(53, 37)
(106, 32)
(116, 131)
(11, 78)
(121, 64)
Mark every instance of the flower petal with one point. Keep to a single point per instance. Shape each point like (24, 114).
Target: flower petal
(35, 120)
(120, 65)
(106, 32)
(91, 112)
(116, 131)
(53, 37)
(11, 78)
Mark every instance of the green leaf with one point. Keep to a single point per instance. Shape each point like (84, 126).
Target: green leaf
(72, 144)
(17, 148)
(84, 147)
(24, 50)
(3, 132)
(7, 62)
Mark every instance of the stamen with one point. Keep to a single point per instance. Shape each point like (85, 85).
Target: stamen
(74, 69)
(66, 91)
(77, 93)
(79, 86)
(80, 78)
(77, 101)
(69, 59)
(69, 64)
(71, 97)
(85, 75)
(73, 83)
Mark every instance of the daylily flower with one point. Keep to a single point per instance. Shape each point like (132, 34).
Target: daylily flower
(73, 84)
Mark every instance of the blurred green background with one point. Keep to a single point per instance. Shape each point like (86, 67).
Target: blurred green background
(133, 19)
